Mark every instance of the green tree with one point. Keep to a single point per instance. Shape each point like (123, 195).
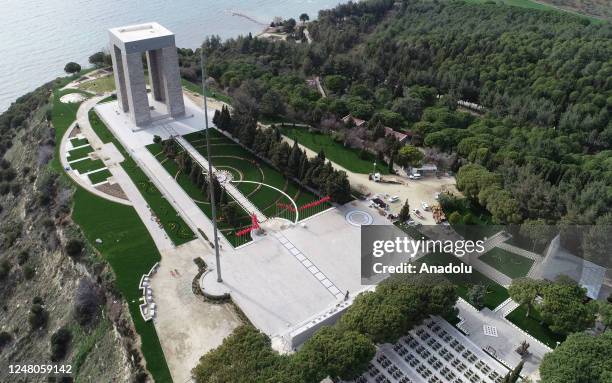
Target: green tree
(335, 353)
(72, 68)
(476, 295)
(409, 156)
(581, 358)
(404, 214)
(454, 218)
(38, 316)
(304, 17)
(60, 341)
(524, 291)
(563, 307)
(605, 313)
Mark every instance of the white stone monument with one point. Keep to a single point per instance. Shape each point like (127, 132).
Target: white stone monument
(127, 45)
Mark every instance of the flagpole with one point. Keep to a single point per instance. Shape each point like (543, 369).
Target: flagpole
(210, 171)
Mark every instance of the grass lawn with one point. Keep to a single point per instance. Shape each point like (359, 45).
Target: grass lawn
(496, 293)
(197, 88)
(346, 157)
(77, 154)
(100, 176)
(173, 224)
(510, 264)
(87, 165)
(62, 115)
(533, 326)
(99, 85)
(78, 141)
(228, 231)
(131, 252)
(127, 245)
(227, 155)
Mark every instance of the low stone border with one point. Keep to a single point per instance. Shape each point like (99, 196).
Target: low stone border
(145, 310)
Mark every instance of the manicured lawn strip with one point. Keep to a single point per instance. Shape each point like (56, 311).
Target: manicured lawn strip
(173, 224)
(348, 158)
(131, 252)
(78, 141)
(100, 176)
(77, 154)
(197, 88)
(62, 115)
(87, 165)
(100, 85)
(201, 200)
(265, 198)
(496, 293)
(534, 326)
(510, 264)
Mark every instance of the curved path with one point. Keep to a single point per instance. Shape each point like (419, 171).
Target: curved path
(83, 122)
(297, 213)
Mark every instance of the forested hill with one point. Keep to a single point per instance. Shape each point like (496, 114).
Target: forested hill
(541, 151)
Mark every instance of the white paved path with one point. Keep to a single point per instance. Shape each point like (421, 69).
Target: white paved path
(231, 189)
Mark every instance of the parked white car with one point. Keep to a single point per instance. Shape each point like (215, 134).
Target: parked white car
(424, 205)
(394, 198)
(415, 176)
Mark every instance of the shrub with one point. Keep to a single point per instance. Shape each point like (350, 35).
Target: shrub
(454, 218)
(29, 272)
(60, 340)
(157, 139)
(5, 269)
(38, 317)
(23, 257)
(5, 339)
(87, 301)
(74, 248)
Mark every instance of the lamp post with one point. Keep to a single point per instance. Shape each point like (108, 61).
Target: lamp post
(210, 171)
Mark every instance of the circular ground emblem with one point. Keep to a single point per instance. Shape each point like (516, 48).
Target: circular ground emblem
(359, 218)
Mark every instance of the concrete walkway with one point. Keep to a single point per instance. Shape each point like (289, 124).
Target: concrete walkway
(506, 339)
(231, 189)
(112, 159)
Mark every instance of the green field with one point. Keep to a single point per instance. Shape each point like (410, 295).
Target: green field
(173, 224)
(510, 264)
(100, 176)
(126, 244)
(496, 293)
(78, 141)
(87, 165)
(533, 326)
(131, 252)
(62, 115)
(99, 85)
(348, 158)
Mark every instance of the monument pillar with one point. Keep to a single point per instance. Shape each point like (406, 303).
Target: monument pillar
(127, 47)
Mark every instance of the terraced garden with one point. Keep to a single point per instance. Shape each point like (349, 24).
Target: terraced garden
(243, 166)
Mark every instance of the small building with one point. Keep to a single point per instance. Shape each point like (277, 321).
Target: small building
(357, 121)
(426, 169)
(402, 138)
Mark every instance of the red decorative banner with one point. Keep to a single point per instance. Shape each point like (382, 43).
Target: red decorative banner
(315, 203)
(254, 226)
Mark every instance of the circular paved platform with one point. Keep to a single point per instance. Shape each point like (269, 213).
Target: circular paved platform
(72, 98)
(359, 218)
(211, 288)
